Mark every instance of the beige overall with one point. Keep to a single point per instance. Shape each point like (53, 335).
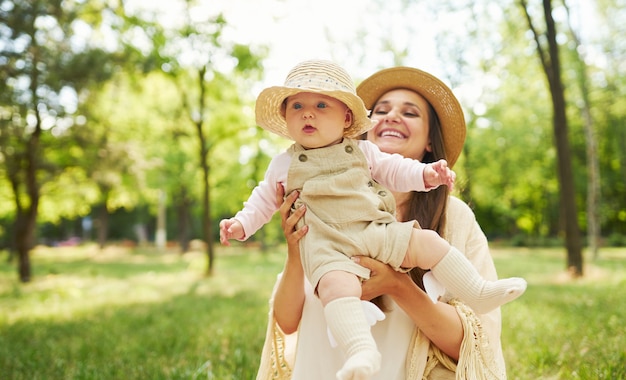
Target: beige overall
(348, 213)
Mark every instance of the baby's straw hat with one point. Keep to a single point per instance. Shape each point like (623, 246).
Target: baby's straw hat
(439, 95)
(317, 76)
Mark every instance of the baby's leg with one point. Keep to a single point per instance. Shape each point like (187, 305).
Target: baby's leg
(338, 284)
(340, 294)
(428, 250)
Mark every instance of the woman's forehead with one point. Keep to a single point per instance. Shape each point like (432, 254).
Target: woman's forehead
(402, 95)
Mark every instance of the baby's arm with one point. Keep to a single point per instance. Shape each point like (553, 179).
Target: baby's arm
(402, 174)
(230, 229)
(260, 206)
(438, 173)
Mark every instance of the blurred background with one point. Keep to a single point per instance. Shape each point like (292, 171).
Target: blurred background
(132, 122)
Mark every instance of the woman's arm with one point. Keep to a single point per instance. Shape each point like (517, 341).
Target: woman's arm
(289, 296)
(439, 322)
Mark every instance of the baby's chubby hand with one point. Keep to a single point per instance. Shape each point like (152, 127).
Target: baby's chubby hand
(230, 229)
(438, 173)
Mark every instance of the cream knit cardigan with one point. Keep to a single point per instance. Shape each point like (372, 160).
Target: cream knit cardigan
(481, 353)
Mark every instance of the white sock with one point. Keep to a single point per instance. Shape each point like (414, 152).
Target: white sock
(346, 321)
(459, 276)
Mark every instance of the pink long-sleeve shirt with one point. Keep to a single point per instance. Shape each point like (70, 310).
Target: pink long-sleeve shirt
(393, 171)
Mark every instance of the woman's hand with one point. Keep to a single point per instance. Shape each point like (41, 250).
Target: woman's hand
(290, 220)
(383, 279)
(439, 322)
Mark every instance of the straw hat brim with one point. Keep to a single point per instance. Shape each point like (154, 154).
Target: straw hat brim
(437, 93)
(269, 115)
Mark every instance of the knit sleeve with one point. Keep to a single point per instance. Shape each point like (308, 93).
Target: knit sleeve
(464, 232)
(476, 359)
(261, 205)
(394, 171)
(276, 361)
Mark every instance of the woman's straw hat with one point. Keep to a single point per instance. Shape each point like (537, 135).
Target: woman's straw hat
(318, 76)
(439, 95)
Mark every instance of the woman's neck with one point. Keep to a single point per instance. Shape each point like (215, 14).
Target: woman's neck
(402, 202)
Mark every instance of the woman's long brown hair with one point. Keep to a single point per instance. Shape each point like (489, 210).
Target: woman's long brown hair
(429, 208)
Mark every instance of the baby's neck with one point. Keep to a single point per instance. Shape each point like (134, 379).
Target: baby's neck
(325, 146)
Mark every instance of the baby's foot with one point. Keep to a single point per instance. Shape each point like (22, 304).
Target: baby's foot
(361, 366)
(497, 293)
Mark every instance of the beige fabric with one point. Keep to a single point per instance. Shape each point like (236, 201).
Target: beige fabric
(348, 213)
(406, 354)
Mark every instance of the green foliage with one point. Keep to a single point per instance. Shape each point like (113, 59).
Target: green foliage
(128, 134)
(49, 63)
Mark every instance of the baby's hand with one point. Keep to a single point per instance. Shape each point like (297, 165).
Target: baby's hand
(230, 229)
(438, 173)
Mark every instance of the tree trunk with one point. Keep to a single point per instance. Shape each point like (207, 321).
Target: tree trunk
(161, 230)
(207, 227)
(593, 165)
(567, 202)
(183, 206)
(26, 217)
(569, 210)
(206, 203)
(24, 239)
(593, 183)
(206, 169)
(102, 225)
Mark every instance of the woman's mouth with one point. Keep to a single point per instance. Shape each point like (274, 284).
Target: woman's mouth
(391, 133)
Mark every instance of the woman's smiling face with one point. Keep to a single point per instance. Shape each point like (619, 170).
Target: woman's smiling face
(402, 124)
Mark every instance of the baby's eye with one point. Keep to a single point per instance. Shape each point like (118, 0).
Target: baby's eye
(321, 105)
(297, 106)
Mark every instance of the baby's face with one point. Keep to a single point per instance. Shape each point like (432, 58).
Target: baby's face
(316, 120)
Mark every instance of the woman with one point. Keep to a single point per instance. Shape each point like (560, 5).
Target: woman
(418, 117)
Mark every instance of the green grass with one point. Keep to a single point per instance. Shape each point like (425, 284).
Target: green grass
(141, 314)
(563, 328)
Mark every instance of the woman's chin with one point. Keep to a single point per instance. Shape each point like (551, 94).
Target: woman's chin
(390, 144)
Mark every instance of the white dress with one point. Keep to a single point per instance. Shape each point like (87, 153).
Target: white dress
(406, 353)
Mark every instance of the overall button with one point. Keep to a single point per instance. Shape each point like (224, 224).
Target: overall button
(349, 149)
(382, 193)
(302, 158)
(370, 184)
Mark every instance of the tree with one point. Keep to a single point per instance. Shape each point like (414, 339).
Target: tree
(550, 62)
(197, 112)
(45, 64)
(593, 164)
(192, 55)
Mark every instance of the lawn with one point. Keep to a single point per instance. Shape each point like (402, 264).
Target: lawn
(141, 314)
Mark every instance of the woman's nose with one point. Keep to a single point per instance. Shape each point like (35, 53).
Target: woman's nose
(392, 115)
